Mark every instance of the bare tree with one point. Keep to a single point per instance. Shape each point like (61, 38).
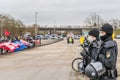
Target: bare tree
(9, 23)
(115, 23)
(94, 19)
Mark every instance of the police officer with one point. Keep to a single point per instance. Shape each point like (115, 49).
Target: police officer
(91, 54)
(93, 38)
(108, 52)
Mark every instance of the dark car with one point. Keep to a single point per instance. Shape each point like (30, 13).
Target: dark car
(40, 37)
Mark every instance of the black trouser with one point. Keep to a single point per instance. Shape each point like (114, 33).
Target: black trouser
(111, 74)
(105, 79)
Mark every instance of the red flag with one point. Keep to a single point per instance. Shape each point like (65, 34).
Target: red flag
(6, 32)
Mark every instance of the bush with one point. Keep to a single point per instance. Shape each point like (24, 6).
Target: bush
(117, 31)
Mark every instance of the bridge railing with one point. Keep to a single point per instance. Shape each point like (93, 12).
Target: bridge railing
(69, 27)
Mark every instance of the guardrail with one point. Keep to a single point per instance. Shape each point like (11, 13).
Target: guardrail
(47, 42)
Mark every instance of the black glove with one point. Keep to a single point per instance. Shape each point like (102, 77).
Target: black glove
(101, 56)
(84, 54)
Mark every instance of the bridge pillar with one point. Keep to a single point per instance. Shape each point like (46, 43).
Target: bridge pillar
(49, 32)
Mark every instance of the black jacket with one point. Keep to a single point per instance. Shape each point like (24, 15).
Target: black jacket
(108, 53)
(92, 52)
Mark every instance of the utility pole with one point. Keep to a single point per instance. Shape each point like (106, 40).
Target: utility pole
(54, 26)
(36, 23)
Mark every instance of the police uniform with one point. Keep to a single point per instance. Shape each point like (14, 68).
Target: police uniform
(94, 45)
(92, 48)
(108, 53)
(108, 56)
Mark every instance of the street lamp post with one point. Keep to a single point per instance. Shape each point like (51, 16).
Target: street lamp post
(54, 27)
(36, 23)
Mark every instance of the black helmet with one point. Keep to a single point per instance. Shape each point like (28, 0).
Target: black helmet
(94, 32)
(107, 28)
(94, 70)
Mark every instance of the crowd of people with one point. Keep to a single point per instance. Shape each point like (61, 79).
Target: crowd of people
(12, 43)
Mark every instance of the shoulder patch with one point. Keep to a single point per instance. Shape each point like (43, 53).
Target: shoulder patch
(108, 54)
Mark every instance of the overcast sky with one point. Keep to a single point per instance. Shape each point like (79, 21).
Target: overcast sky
(72, 12)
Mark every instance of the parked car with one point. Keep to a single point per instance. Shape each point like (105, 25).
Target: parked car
(47, 36)
(117, 36)
(54, 36)
(40, 37)
(76, 36)
(60, 37)
(51, 36)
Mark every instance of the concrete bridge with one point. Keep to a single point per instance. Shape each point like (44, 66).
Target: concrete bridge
(75, 30)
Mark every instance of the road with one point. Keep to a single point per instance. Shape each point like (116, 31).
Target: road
(51, 62)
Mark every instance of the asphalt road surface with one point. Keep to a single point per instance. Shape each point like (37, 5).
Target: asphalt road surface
(51, 62)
